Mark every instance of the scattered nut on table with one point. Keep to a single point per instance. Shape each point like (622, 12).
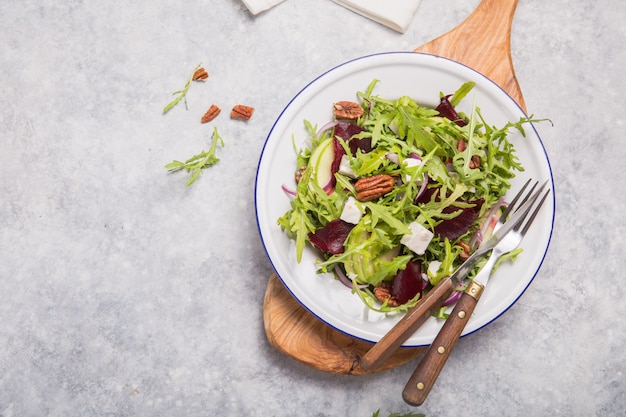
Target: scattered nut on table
(211, 114)
(200, 75)
(241, 112)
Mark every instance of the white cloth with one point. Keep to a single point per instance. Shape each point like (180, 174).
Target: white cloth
(396, 14)
(258, 6)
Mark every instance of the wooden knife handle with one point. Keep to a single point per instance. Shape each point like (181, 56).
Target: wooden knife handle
(412, 320)
(431, 364)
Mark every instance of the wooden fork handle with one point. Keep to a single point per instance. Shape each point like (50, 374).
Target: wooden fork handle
(412, 320)
(421, 382)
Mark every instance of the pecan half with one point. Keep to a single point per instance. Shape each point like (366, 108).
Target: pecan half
(374, 187)
(466, 251)
(475, 159)
(474, 162)
(300, 173)
(200, 75)
(382, 292)
(210, 114)
(348, 110)
(241, 112)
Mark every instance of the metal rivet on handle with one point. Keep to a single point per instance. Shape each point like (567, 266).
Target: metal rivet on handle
(441, 349)
(461, 314)
(420, 386)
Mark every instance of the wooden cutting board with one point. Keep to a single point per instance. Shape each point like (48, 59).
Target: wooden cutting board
(482, 42)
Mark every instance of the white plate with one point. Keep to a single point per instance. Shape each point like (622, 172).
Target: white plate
(422, 77)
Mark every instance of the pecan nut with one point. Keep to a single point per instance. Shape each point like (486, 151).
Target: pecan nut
(474, 162)
(347, 110)
(210, 114)
(300, 173)
(466, 251)
(382, 292)
(374, 187)
(241, 112)
(200, 75)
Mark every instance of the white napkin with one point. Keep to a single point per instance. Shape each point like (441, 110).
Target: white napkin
(396, 14)
(258, 6)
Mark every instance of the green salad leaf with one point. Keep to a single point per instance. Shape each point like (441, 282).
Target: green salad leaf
(181, 94)
(198, 162)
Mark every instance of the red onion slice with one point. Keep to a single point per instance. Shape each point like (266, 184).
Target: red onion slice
(422, 189)
(345, 280)
(454, 297)
(288, 191)
(325, 127)
(393, 157)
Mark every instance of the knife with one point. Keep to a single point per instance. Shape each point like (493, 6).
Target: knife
(417, 315)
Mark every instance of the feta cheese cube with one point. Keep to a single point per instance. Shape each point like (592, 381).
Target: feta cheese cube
(410, 163)
(433, 267)
(351, 212)
(345, 168)
(419, 238)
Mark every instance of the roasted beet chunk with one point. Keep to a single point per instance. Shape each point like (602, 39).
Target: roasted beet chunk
(446, 110)
(346, 130)
(365, 145)
(408, 283)
(427, 195)
(331, 237)
(339, 153)
(459, 225)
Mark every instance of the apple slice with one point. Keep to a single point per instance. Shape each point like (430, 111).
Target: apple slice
(321, 163)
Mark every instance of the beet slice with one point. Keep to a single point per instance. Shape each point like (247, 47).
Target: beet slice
(339, 153)
(346, 131)
(365, 145)
(408, 282)
(459, 225)
(331, 237)
(446, 110)
(426, 196)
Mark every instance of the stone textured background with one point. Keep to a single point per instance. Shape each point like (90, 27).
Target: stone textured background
(125, 293)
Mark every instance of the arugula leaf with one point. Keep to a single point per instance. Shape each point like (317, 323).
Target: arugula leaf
(312, 208)
(385, 214)
(198, 162)
(462, 91)
(182, 94)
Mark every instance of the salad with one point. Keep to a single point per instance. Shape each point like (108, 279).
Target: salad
(396, 195)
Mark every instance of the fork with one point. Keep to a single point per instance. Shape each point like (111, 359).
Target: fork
(376, 356)
(421, 382)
